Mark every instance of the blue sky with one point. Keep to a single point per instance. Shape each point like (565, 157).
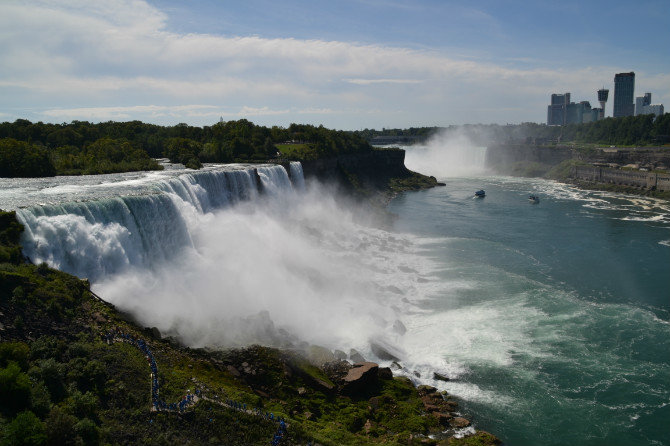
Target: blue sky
(347, 64)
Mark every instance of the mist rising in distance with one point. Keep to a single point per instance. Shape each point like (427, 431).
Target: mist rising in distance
(447, 154)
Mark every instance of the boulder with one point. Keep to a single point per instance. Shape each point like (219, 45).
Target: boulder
(359, 377)
(383, 352)
(155, 332)
(339, 354)
(432, 407)
(440, 377)
(336, 370)
(355, 356)
(385, 373)
(318, 355)
(459, 422)
(442, 418)
(426, 390)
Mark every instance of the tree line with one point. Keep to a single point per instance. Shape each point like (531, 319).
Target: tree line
(632, 130)
(42, 149)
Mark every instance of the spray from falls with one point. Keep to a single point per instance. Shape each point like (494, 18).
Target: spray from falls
(217, 259)
(446, 155)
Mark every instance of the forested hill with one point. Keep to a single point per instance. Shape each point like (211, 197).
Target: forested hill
(41, 149)
(629, 131)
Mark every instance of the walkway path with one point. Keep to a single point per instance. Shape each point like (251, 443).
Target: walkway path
(190, 399)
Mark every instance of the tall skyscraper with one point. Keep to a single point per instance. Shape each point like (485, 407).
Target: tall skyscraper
(624, 90)
(556, 112)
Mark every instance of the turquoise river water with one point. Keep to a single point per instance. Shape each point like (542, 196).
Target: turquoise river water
(552, 316)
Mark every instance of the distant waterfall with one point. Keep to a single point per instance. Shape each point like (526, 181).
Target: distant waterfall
(96, 238)
(447, 155)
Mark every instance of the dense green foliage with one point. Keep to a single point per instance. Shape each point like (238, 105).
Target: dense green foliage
(105, 155)
(21, 159)
(37, 149)
(418, 132)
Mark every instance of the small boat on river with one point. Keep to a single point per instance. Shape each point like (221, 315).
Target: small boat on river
(534, 199)
(480, 193)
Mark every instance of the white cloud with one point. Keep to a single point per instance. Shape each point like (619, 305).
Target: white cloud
(382, 81)
(109, 59)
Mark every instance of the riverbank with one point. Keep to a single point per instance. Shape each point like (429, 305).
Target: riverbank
(637, 171)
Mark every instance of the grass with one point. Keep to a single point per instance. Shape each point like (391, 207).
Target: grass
(299, 152)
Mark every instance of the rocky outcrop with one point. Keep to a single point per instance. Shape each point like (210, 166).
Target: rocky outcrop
(440, 406)
(374, 163)
(359, 377)
(374, 176)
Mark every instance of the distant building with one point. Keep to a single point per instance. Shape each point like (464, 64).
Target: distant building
(561, 111)
(557, 110)
(624, 90)
(581, 113)
(603, 94)
(643, 106)
(642, 101)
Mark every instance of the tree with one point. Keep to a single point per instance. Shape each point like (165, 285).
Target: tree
(24, 430)
(184, 151)
(14, 389)
(21, 159)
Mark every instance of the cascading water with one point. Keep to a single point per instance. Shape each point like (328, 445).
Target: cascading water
(297, 175)
(225, 256)
(100, 237)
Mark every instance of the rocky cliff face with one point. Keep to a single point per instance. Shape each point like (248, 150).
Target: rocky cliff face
(501, 155)
(374, 165)
(374, 176)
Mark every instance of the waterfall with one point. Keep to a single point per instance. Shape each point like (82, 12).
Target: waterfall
(297, 175)
(102, 237)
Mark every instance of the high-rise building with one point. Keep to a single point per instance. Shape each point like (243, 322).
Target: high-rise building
(557, 110)
(581, 113)
(643, 106)
(562, 111)
(624, 90)
(603, 94)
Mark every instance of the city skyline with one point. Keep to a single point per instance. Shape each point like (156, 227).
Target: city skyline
(349, 65)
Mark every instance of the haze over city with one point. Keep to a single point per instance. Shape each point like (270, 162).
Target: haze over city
(346, 64)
